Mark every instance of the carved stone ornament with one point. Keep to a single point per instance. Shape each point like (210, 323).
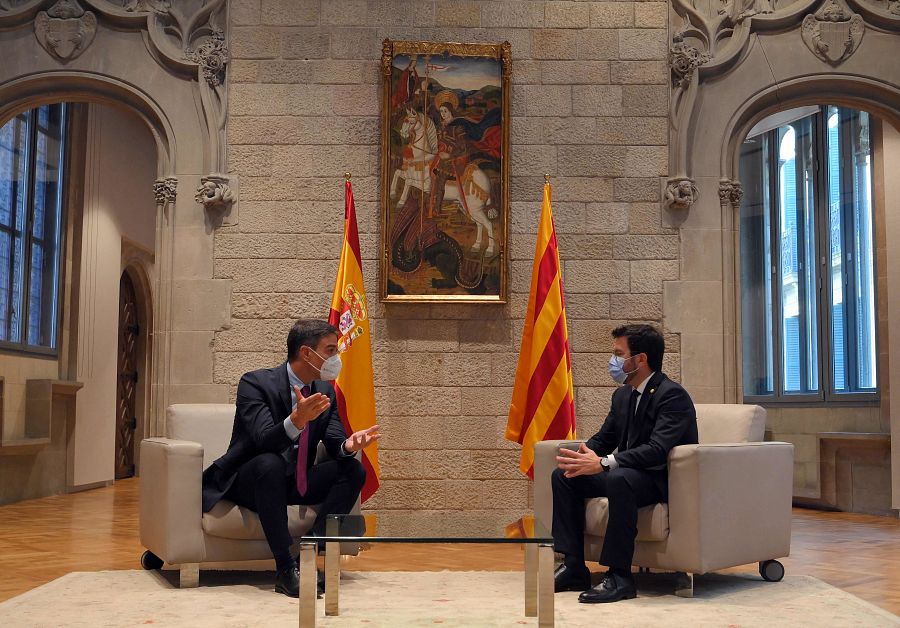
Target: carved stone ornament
(214, 193)
(894, 7)
(65, 30)
(749, 8)
(164, 190)
(834, 32)
(683, 60)
(212, 57)
(681, 193)
(731, 192)
(138, 6)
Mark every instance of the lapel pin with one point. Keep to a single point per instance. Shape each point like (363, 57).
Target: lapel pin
(652, 390)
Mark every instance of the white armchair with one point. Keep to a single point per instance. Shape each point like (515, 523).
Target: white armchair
(729, 500)
(173, 527)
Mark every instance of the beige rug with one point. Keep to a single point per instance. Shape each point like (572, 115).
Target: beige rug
(470, 599)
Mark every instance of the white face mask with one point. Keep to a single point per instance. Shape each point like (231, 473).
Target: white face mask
(331, 367)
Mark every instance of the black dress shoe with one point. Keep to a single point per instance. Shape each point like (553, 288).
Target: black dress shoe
(287, 581)
(568, 579)
(612, 588)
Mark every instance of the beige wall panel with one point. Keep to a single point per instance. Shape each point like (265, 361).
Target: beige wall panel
(119, 149)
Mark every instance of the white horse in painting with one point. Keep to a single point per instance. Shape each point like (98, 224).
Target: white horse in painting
(419, 132)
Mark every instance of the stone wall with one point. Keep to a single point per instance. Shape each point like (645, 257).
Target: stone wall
(589, 104)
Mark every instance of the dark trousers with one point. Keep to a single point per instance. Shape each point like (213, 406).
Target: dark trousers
(626, 489)
(262, 486)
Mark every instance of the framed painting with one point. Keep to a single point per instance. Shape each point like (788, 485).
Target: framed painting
(444, 172)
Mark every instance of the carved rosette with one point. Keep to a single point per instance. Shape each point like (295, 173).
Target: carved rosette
(164, 190)
(834, 32)
(730, 192)
(211, 57)
(681, 193)
(683, 59)
(214, 193)
(65, 30)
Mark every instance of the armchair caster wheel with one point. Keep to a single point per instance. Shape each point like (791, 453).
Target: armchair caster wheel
(150, 561)
(771, 570)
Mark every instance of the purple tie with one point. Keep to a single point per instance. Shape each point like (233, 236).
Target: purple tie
(302, 450)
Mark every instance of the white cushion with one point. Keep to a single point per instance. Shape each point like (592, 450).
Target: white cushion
(230, 521)
(653, 521)
(730, 423)
(209, 424)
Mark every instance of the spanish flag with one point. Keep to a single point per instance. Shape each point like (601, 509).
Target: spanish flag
(543, 400)
(355, 386)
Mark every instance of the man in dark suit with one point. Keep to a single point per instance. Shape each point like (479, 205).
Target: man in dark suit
(282, 415)
(649, 416)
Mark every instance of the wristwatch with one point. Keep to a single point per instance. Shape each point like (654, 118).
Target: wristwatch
(605, 463)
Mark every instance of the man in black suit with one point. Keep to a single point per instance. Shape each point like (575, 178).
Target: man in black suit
(283, 413)
(649, 416)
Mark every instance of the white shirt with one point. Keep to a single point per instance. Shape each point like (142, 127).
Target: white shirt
(289, 427)
(640, 390)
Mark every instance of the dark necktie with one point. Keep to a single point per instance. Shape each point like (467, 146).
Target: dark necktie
(631, 433)
(302, 450)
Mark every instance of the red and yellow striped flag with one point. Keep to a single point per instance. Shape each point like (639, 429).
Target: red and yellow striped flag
(355, 386)
(543, 400)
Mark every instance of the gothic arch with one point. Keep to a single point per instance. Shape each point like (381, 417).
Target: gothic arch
(859, 92)
(166, 63)
(23, 93)
(731, 67)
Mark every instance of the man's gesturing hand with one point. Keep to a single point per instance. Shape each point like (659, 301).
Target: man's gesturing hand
(581, 462)
(308, 408)
(361, 439)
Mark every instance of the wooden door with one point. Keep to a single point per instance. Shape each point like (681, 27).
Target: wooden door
(128, 377)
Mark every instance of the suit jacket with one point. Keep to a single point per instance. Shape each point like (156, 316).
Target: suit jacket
(263, 403)
(665, 417)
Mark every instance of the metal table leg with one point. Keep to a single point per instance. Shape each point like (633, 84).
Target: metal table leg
(531, 580)
(545, 585)
(308, 585)
(332, 578)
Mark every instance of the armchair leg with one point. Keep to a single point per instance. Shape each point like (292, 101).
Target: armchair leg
(684, 584)
(189, 575)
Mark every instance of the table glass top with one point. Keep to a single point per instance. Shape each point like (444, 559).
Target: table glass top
(430, 527)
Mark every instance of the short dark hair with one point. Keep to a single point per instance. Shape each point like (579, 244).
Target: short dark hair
(643, 339)
(307, 332)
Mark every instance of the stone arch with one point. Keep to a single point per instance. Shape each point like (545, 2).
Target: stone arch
(851, 91)
(730, 69)
(23, 93)
(165, 63)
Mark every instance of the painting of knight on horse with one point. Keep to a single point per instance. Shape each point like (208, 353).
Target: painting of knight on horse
(445, 172)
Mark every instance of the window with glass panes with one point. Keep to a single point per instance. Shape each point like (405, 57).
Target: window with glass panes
(32, 159)
(808, 260)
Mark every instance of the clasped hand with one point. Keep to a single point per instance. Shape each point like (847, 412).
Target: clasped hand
(581, 462)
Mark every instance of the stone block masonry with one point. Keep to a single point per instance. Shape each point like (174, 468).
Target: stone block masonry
(589, 100)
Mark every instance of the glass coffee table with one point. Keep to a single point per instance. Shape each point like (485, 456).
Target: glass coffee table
(413, 527)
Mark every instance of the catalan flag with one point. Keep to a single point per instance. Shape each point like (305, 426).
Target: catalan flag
(355, 386)
(543, 400)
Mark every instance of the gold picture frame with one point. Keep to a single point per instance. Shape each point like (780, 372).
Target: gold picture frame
(444, 172)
